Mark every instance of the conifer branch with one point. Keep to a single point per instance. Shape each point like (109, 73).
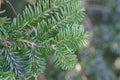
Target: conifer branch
(49, 27)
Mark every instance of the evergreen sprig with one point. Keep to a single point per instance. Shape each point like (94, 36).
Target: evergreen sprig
(3, 20)
(49, 27)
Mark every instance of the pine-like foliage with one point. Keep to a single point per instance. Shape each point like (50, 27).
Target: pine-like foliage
(49, 27)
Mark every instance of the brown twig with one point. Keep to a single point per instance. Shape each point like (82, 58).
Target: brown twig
(33, 44)
(5, 40)
(0, 3)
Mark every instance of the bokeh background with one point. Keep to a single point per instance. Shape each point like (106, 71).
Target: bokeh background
(101, 59)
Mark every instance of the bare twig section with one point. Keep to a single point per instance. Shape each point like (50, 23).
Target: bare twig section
(0, 3)
(53, 46)
(33, 44)
(12, 7)
(5, 40)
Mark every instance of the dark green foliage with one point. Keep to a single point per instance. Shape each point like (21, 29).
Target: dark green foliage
(49, 27)
(3, 20)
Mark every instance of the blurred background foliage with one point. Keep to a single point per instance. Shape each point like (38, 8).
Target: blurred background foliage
(101, 59)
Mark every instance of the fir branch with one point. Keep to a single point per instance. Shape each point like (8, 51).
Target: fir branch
(47, 28)
(13, 61)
